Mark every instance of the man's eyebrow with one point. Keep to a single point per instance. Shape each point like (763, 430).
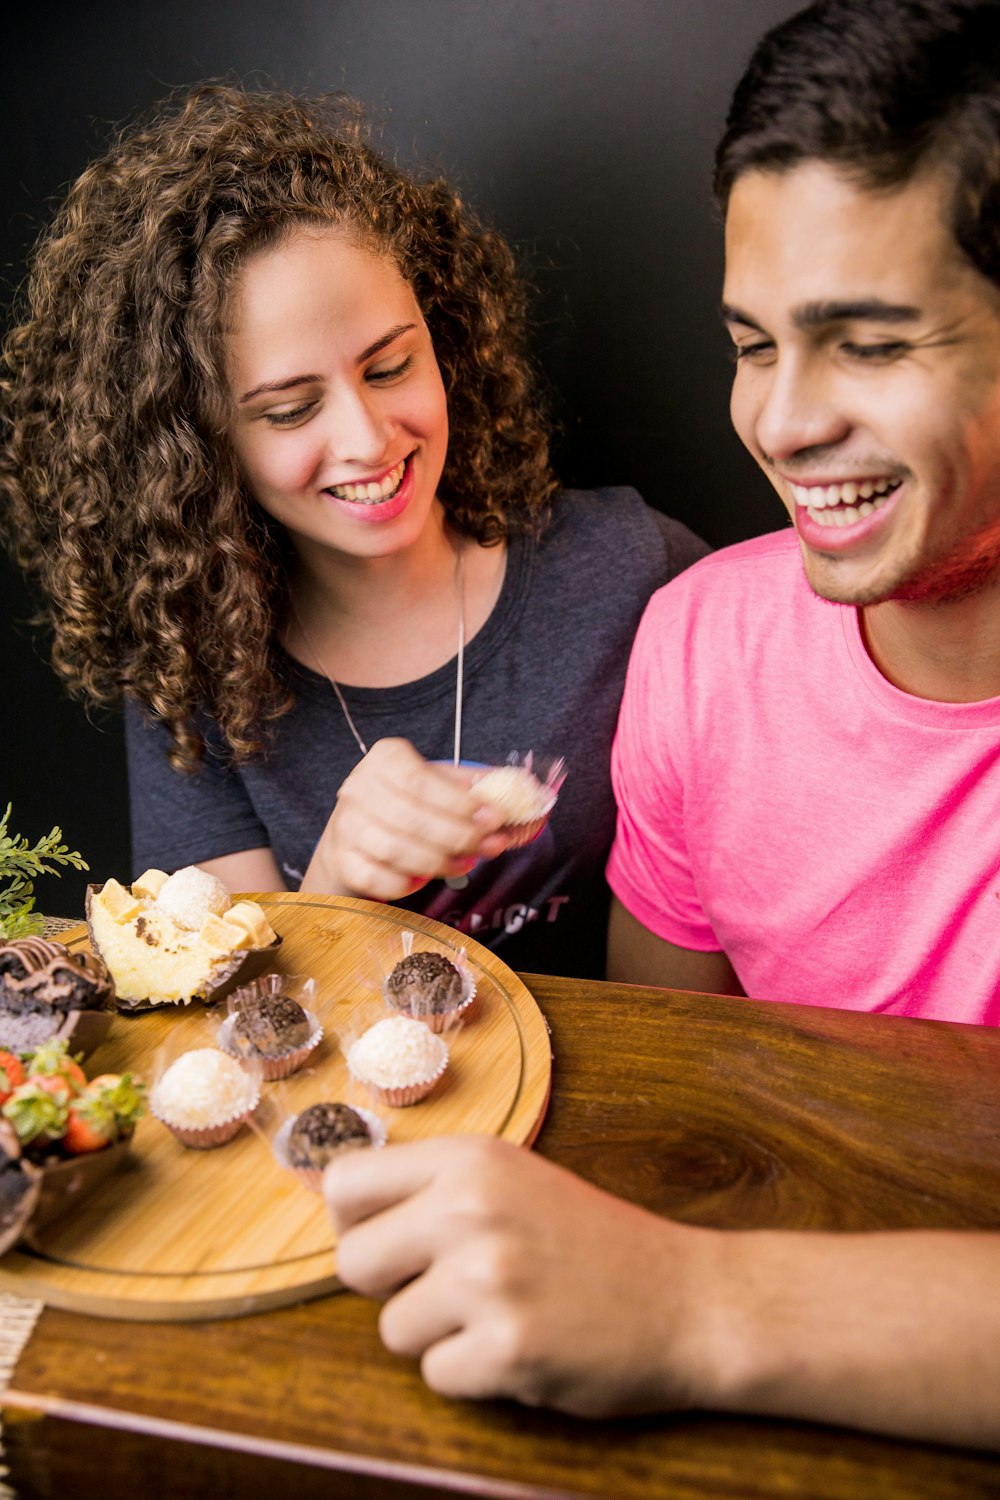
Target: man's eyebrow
(864, 309)
(272, 387)
(819, 314)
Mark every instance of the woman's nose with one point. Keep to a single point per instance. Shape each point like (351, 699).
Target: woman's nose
(359, 429)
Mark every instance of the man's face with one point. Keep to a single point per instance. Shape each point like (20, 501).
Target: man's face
(868, 380)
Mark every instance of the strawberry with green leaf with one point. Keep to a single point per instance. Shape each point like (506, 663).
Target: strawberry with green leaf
(38, 1111)
(52, 1061)
(11, 1073)
(105, 1111)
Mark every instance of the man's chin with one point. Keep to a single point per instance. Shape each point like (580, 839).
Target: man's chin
(944, 583)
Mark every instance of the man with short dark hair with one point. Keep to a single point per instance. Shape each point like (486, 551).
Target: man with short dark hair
(807, 771)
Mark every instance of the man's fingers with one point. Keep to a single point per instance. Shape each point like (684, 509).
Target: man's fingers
(358, 1184)
(424, 1312)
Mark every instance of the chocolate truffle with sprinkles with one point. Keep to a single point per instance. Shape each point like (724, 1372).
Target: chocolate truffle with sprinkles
(267, 1025)
(425, 983)
(322, 1130)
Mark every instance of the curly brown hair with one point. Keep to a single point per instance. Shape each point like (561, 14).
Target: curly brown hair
(119, 489)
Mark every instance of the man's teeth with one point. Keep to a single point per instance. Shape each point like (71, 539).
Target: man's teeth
(371, 493)
(838, 504)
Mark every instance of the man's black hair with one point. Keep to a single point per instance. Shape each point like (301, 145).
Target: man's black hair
(880, 89)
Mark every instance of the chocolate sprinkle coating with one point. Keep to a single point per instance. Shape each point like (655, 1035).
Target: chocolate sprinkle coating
(268, 1025)
(322, 1130)
(41, 976)
(424, 982)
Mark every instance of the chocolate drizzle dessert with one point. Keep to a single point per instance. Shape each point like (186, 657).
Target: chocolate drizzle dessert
(41, 983)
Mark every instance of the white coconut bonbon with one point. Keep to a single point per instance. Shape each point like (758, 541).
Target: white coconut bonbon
(190, 896)
(399, 1060)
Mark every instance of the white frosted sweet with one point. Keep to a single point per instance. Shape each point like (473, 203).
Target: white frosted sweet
(190, 895)
(201, 1089)
(516, 793)
(396, 1052)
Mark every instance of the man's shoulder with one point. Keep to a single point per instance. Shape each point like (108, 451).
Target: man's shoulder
(765, 567)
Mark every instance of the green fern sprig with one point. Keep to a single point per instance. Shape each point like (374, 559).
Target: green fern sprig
(20, 865)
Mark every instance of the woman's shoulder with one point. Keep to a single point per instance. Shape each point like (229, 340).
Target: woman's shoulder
(612, 530)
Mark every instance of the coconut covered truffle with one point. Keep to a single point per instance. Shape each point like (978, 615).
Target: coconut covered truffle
(204, 1097)
(516, 793)
(190, 895)
(399, 1060)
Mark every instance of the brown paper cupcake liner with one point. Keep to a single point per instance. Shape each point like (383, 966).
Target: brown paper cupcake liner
(401, 1095)
(285, 1063)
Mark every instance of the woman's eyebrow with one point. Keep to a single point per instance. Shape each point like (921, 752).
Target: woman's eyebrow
(270, 386)
(384, 341)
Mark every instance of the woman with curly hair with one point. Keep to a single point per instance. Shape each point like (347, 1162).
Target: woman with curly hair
(272, 450)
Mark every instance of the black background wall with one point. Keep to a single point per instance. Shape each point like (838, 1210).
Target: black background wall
(583, 129)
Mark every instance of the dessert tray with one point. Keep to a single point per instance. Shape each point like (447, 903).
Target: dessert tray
(181, 1235)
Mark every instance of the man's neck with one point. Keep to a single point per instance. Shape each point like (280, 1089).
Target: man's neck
(947, 651)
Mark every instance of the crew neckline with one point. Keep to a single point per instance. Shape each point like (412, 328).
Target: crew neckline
(933, 712)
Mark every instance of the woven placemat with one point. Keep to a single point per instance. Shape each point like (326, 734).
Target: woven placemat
(18, 1315)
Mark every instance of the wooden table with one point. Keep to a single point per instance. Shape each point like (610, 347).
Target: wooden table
(717, 1111)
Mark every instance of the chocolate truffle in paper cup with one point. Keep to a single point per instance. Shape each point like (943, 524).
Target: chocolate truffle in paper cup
(309, 1141)
(398, 1060)
(204, 1097)
(431, 988)
(268, 1022)
(524, 792)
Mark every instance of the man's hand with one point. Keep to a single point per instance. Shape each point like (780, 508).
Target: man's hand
(508, 1276)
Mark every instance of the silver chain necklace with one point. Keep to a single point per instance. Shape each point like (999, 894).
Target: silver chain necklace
(459, 673)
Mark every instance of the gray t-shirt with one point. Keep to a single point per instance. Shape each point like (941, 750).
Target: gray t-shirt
(545, 673)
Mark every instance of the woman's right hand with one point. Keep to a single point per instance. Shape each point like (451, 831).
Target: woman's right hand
(399, 822)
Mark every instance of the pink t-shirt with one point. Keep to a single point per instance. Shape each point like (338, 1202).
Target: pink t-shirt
(780, 800)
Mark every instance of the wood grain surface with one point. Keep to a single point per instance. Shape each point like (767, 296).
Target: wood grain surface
(718, 1111)
(182, 1233)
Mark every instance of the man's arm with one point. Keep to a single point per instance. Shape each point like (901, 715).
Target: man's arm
(508, 1276)
(636, 956)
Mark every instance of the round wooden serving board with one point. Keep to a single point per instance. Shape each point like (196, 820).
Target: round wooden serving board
(181, 1234)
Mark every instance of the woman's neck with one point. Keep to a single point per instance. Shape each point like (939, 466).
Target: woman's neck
(379, 622)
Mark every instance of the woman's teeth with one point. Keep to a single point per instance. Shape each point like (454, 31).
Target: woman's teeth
(843, 504)
(371, 493)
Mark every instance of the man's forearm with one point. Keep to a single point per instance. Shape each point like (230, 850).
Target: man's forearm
(896, 1332)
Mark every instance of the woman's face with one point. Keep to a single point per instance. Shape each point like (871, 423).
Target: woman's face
(339, 419)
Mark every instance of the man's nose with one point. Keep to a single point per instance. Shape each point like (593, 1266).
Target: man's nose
(801, 410)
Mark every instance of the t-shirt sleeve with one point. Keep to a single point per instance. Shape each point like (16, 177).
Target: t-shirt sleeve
(681, 546)
(650, 869)
(179, 818)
